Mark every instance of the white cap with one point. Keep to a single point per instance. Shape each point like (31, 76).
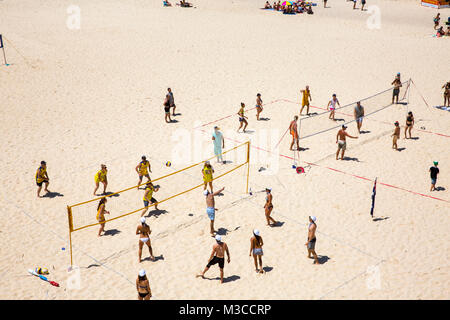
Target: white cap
(313, 218)
(256, 232)
(143, 220)
(142, 272)
(218, 237)
(205, 192)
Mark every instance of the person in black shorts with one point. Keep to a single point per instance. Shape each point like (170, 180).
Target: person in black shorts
(217, 257)
(167, 108)
(434, 171)
(397, 84)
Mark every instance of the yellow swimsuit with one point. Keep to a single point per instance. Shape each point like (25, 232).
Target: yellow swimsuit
(149, 194)
(40, 174)
(207, 174)
(100, 176)
(100, 216)
(305, 100)
(143, 169)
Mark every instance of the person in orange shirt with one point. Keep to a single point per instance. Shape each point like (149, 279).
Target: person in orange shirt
(294, 133)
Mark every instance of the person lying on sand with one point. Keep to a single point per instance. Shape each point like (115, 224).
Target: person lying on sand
(185, 4)
(217, 256)
(440, 32)
(267, 5)
(167, 3)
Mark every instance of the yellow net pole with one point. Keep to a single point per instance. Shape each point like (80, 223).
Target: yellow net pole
(167, 175)
(248, 164)
(153, 204)
(69, 215)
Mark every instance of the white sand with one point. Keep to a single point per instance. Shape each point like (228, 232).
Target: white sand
(90, 96)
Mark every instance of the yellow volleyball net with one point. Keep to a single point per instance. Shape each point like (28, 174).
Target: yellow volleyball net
(84, 214)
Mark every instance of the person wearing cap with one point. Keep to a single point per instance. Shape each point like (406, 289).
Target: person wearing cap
(219, 143)
(148, 196)
(396, 135)
(397, 85)
(143, 230)
(42, 178)
(268, 207)
(143, 169)
(217, 257)
(311, 242)
(101, 211)
(256, 243)
(434, 171)
(211, 207)
(358, 113)
(143, 286)
(242, 118)
(332, 106)
(294, 133)
(259, 107)
(207, 172)
(306, 98)
(341, 141)
(100, 176)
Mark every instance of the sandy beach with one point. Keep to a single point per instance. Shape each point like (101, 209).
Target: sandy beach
(77, 98)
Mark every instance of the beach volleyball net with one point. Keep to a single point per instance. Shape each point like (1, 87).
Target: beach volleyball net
(171, 186)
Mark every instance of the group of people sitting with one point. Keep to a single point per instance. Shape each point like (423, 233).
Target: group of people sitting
(440, 29)
(182, 3)
(296, 7)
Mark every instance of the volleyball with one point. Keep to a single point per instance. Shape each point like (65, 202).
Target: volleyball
(168, 164)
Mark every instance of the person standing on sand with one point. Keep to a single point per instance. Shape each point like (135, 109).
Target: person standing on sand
(436, 20)
(332, 106)
(42, 177)
(324, 3)
(148, 196)
(434, 171)
(311, 242)
(259, 107)
(100, 176)
(256, 243)
(342, 143)
(359, 115)
(363, 3)
(396, 135)
(142, 169)
(446, 88)
(268, 207)
(211, 207)
(397, 84)
(101, 215)
(305, 100)
(219, 143)
(166, 105)
(143, 230)
(217, 256)
(207, 172)
(242, 118)
(409, 124)
(294, 133)
(143, 286)
(169, 97)
(354, 4)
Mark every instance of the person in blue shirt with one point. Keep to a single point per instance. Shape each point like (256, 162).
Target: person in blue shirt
(219, 143)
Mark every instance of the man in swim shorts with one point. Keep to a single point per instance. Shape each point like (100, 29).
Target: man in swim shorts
(171, 100)
(397, 84)
(217, 256)
(434, 171)
(342, 143)
(311, 242)
(359, 115)
(294, 133)
(396, 135)
(42, 178)
(143, 169)
(210, 207)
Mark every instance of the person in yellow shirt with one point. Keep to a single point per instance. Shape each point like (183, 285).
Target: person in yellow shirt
(101, 215)
(148, 196)
(305, 100)
(100, 176)
(143, 169)
(207, 175)
(42, 178)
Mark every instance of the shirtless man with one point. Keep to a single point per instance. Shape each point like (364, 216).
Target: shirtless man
(359, 115)
(342, 143)
(217, 256)
(144, 237)
(397, 84)
(311, 243)
(294, 133)
(396, 135)
(446, 88)
(259, 107)
(210, 207)
(305, 100)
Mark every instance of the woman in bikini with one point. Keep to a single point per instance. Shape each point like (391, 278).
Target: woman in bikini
(143, 287)
(268, 207)
(242, 118)
(101, 215)
(259, 107)
(143, 230)
(256, 243)
(409, 124)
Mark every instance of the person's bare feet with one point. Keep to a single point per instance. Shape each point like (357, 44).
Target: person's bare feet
(152, 258)
(261, 271)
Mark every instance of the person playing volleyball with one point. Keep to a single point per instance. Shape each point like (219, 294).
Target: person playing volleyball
(101, 215)
(242, 118)
(207, 172)
(100, 176)
(143, 230)
(259, 107)
(268, 207)
(142, 170)
(148, 196)
(294, 133)
(332, 106)
(42, 178)
(305, 100)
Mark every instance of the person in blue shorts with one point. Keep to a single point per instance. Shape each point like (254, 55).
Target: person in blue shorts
(434, 171)
(210, 207)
